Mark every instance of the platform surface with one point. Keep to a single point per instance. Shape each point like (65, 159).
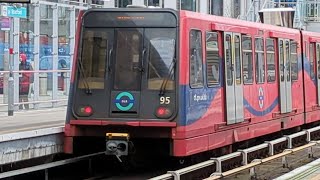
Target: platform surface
(32, 120)
(309, 171)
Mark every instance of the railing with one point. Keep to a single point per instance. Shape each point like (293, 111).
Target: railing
(244, 155)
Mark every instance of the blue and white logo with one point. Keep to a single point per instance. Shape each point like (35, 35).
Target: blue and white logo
(261, 98)
(124, 101)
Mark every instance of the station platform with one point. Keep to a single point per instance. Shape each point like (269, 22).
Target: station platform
(32, 120)
(309, 171)
(31, 134)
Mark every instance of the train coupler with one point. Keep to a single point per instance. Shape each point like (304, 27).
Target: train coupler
(117, 144)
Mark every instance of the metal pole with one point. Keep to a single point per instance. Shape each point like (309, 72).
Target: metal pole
(11, 80)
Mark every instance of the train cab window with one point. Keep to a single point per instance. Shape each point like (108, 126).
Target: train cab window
(196, 69)
(271, 66)
(294, 61)
(312, 59)
(247, 64)
(259, 54)
(161, 53)
(93, 59)
(212, 58)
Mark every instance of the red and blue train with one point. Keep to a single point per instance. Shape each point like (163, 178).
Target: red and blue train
(181, 83)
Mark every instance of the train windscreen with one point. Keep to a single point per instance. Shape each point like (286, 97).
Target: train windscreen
(127, 63)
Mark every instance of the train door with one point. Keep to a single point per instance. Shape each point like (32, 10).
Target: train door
(318, 71)
(285, 76)
(233, 78)
(127, 71)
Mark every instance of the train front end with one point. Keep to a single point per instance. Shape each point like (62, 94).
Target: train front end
(123, 96)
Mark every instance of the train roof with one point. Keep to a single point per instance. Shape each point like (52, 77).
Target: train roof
(239, 23)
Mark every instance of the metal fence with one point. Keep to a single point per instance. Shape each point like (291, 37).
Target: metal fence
(47, 38)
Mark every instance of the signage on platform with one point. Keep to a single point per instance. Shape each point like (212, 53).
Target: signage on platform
(17, 12)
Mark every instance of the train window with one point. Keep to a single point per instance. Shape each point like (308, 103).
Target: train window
(161, 49)
(247, 65)
(318, 60)
(281, 59)
(271, 66)
(196, 74)
(228, 59)
(312, 59)
(288, 61)
(212, 57)
(125, 77)
(237, 59)
(294, 61)
(259, 54)
(93, 58)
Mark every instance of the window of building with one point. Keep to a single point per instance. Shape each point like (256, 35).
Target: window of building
(212, 58)
(152, 3)
(247, 64)
(122, 3)
(196, 70)
(294, 61)
(271, 66)
(216, 7)
(312, 59)
(259, 54)
(190, 5)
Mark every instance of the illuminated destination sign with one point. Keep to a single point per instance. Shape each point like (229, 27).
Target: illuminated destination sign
(15, 1)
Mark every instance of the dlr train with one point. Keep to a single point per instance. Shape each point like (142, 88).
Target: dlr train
(163, 82)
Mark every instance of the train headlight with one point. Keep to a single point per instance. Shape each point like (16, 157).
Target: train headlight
(85, 111)
(163, 112)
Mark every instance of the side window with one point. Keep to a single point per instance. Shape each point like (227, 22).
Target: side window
(247, 64)
(281, 59)
(212, 58)
(318, 60)
(311, 59)
(237, 55)
(259, 54)
(271, 66)
(228, 59)
(196, 74)
(294, 61)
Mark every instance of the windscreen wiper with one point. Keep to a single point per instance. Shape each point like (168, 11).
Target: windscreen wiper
(84, 77)
(165, 81)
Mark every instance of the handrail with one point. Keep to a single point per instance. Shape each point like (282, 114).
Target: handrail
(244, 154)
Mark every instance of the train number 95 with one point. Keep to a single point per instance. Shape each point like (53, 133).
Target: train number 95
(164, 100)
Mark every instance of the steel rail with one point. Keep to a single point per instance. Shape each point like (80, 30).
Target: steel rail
(47, 166)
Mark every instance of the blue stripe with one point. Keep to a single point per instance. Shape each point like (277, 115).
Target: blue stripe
(262, 112)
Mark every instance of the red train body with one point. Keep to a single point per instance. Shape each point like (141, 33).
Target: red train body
(231, 80)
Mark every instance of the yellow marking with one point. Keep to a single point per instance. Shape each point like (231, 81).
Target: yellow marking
(110, 135)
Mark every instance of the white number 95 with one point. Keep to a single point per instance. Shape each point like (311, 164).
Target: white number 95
(164, 100)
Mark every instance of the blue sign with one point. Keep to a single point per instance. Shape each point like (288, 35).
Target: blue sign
(124, 101)
(10, 11)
